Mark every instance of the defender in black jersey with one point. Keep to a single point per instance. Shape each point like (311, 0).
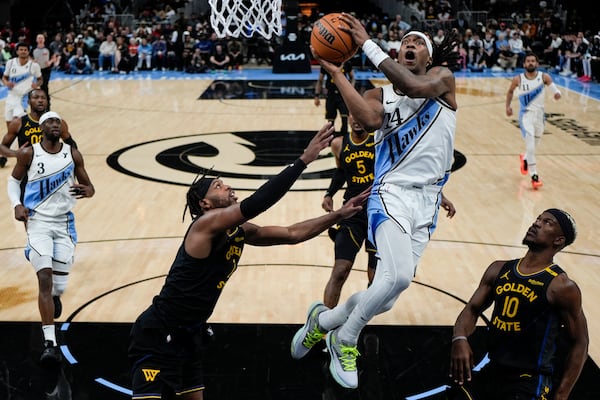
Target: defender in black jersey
(533, 299)
(26, 129)
(166, 339)
(354, 156)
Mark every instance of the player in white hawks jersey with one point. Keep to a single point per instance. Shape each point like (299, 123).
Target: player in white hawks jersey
(21, 75)
(415, 119)
(18, 77)
(56, 177)
(530, 89)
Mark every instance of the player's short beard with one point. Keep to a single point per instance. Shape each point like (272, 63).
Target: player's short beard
(534, 247)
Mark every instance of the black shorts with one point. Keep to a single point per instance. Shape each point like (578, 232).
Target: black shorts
(333, 104)
(350, 236)
(164, 360)
(498, 383)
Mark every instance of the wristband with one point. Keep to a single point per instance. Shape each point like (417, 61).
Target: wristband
(460, 337)
(554, 89)
(374, 52)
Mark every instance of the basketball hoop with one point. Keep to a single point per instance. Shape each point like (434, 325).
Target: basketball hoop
(245, 17)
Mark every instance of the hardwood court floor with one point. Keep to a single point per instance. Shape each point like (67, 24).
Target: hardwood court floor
(144, 138)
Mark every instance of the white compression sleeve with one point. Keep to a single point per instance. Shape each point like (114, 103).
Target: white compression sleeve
(14, 191)
(554, 89)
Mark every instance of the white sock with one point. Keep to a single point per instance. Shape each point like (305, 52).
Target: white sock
(49, 333)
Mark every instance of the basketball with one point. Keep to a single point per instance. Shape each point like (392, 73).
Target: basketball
(331, 43)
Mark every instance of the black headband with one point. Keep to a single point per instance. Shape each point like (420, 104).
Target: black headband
(566, 222)
(202, 186)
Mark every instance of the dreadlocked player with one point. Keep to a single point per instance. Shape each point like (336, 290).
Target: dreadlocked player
(165, 346)
(414, 119)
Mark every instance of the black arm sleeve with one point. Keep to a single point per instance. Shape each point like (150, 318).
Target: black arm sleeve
(273, 190)
(337, 181)
(71, 142)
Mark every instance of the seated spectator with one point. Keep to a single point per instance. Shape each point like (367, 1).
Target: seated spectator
(580, 49)
(80, 63)
(488, 58)
(122, 60)
(108, 51)
(551, 52)
(68, 50)
(506, 59)
(393, 44)
(5, 55)
(144, 55)
(159, 53)
(56, 49)
(205, 45)
(219, 58)
(399, 25)
(197, 64)
(475, 50)
(595, 58)
(236, 54)
(187, 51)
(439, 37)
(566, 46)
(517, 47)
(132, 54)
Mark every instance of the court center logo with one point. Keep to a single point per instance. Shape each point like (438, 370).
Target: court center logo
(245, 160)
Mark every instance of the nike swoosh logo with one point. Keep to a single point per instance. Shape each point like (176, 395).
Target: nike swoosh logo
(390, 101)
(369, 144)
(238, 239)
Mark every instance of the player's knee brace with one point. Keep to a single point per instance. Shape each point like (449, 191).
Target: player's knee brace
(59, 284)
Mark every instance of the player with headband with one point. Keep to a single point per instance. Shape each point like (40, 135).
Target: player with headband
(414, 119)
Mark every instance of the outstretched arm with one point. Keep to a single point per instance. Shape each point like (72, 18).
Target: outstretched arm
(302, 231)
(219, 219)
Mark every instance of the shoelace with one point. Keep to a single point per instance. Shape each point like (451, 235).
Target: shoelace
(313, 337)
(348, 357)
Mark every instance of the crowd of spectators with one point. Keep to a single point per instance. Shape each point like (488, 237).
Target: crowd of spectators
(165, 38)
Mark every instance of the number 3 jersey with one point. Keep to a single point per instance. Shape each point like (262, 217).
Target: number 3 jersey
(415, 144)
(49, 180)
(524, 326)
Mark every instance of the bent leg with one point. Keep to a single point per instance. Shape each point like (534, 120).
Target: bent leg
(395, 271)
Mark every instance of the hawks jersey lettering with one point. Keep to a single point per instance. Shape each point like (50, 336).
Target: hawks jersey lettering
(531, 93)
(21, 75)
(415, 144)
(523, 324)
(30, 131)
(49, 180)
(357, 160)
(194, 285)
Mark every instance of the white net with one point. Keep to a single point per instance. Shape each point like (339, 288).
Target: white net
(246, 17)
